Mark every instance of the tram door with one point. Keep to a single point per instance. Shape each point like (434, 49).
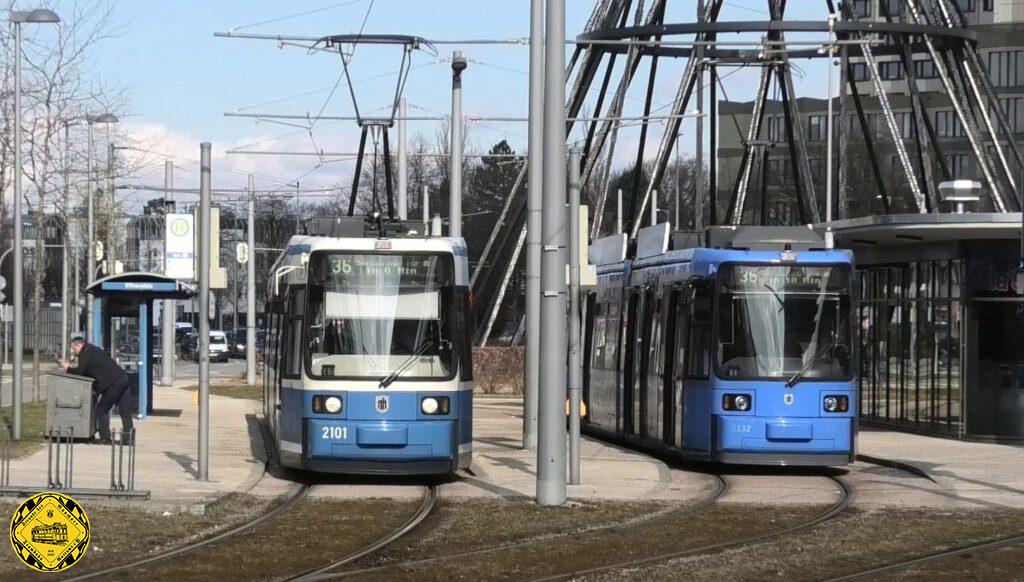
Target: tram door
(676, 376)
(633, 354)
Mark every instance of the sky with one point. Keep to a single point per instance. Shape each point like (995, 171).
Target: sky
(181, 79)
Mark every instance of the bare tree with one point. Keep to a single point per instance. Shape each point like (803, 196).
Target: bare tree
(56, 93)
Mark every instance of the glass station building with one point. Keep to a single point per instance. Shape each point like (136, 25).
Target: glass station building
(941, 322)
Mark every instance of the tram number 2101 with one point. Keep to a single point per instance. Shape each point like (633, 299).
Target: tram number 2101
(334, 433)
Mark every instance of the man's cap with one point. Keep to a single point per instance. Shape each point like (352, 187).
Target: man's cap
(78, 336)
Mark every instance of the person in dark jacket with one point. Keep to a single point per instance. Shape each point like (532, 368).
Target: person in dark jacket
(110, 383)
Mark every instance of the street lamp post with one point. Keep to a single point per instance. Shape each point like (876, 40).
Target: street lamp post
(37, 16)
(91, 252)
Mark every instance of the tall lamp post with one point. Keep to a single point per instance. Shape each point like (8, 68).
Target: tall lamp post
(18, 17)
(92, 120)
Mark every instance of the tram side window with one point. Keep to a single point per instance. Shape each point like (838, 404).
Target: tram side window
(612, 330)
(598, 338)
(700, 335)
(292, 345)
(464, 319)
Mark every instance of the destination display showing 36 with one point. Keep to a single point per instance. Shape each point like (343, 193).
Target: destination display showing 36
(366, 268)
(784, 279)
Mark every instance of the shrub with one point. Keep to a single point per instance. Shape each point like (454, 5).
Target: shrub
(499, 370)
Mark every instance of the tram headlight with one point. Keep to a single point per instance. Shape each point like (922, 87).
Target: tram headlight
(836, 403)
(737, 402)
(327, 404)
(332, 404)
(435, 405)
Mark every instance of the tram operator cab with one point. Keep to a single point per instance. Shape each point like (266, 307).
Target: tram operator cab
(736, 349)
(368, 366)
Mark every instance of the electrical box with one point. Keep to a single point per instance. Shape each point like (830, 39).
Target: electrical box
(218, 274)
(70, 404)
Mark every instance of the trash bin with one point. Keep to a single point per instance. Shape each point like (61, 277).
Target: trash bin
(133, 387)
(70, 404)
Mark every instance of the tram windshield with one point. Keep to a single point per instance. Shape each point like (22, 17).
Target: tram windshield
(784, 322)
(376, 316)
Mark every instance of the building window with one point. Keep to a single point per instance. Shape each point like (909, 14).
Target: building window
(1006, 68)
(893, 7)
(859, 71)
(987, 5)
(776, 126)
(890, 70)
(966, 5)
(924, 69)
(1012, 107)
(947, 124)
(905, 124)
(861, 8)
(817, 127)
(958, 165)
(780, 172)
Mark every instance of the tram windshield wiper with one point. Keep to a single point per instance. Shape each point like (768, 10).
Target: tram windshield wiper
(810, 363)
(390, 378)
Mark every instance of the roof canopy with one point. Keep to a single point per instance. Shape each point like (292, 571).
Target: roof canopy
(141, 285)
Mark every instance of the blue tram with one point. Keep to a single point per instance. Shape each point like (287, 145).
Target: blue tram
(368, 366)
(734, 345)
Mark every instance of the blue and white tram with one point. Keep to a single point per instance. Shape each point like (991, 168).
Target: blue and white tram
(368, 363)
(738, 349)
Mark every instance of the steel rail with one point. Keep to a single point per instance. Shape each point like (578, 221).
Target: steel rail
(426, 507)
(846, 495)
(298, 495)
(720, 488)
(959, 551)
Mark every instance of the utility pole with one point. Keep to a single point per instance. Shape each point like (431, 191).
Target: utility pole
(17, 378)
(575, 355)
(618, 211)
(551, 418)
(250, 289)
(113, 214)
(403, 164)
(90, 253)
(829, 235)
(65, 264)
(170, 306)
(205, 204)
(698, 177)
(459, 64)
(426, 208)
(534, 198)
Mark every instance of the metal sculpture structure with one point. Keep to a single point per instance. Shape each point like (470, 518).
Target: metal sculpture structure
(936, 28)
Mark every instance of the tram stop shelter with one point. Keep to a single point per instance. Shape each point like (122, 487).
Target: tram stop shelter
(123, 307)
(940, 308)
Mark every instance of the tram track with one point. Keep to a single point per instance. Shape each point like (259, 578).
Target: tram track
(950, 553)
(297, 495)
(720, 488)
(425, 508)
(846, 495)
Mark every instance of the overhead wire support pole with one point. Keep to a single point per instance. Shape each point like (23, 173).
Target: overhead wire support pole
(250, 286)
(205, 202)
(169, 307)
(403, 164)
(459, 65)
(575, 349)
(830, 241)
(534, 199)
(551, 486)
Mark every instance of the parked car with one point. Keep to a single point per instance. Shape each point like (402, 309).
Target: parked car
(218, 347)
(237, 341)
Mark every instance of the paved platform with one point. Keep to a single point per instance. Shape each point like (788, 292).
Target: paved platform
(966, 475)
(166, 453)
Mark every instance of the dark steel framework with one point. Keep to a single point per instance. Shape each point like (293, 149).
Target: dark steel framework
(937, 28)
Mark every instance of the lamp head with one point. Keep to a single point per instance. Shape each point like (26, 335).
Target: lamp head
(37, 16)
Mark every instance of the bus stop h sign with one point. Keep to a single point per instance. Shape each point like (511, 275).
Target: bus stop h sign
(180, 247)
